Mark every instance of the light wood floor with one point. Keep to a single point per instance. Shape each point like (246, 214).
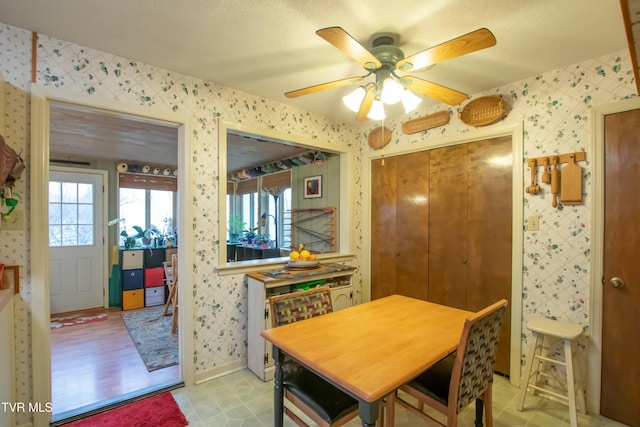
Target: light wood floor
(97, 364)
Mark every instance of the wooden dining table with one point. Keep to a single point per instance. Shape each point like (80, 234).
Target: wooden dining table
(368, 350)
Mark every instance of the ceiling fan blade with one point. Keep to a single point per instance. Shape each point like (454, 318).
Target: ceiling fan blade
(366, 103)
(324, 86)
(468, 43)
(347, 44)
(433, 90)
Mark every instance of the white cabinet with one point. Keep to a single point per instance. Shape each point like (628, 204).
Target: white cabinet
(265, 284)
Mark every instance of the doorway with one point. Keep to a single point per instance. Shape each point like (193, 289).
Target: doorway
(613, 387)
(42, 98)
(81, 200)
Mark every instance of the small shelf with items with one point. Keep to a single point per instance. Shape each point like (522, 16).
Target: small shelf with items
(265, 284)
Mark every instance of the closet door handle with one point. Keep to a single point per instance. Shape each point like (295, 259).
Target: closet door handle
(616, 282)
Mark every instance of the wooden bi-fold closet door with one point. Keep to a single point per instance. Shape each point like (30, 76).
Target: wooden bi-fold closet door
(399, 226)
(451, 209)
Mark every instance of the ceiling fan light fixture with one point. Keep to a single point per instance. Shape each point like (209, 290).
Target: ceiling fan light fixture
(410, 101)
(354, 99)
(377, 110)
(392, 91)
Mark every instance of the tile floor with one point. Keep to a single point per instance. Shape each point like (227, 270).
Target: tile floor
(241, 399)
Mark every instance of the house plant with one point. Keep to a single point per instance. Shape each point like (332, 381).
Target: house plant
(150, 235)
(262, 240)
(250, 234)
(235, 227)
(131, 241)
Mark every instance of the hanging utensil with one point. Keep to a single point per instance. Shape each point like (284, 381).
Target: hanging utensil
(533, 188)
(546, 176)
(555, 182)
(571, 188)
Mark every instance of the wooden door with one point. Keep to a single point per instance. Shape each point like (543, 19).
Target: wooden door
(399, 226)
(412, 257)
(448, 226)
(620, 386)
(489, 226)
(384, 213)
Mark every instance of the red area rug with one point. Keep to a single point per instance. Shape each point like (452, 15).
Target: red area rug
(79, 318)
(156, 411)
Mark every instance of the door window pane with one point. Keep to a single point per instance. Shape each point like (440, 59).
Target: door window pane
(71, 222)
(69, 192)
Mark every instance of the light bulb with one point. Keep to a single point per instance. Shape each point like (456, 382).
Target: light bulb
(377, 110)
(391, 91)
(354, 99)
(410, 101)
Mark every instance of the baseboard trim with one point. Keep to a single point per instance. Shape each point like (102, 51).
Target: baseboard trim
(219, 371)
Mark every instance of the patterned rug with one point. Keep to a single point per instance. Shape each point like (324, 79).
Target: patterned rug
(151, 333)
(79, 318)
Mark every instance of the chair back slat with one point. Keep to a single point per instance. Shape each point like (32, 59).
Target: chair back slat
(476, 354)
(289, 308)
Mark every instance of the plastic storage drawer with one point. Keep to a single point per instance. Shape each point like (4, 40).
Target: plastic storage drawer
(132, 299)
(132, 279)
(132, 259)
(153, 277)
(154, 296)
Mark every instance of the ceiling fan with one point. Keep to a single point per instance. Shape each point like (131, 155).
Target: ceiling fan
(385, 60)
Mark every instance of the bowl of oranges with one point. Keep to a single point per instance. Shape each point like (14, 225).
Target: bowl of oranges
(302, 258)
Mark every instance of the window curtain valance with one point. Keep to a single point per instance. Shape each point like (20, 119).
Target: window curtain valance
(147, 182)
(276, 181)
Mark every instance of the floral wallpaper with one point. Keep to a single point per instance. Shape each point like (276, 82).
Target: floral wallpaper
(220, 302)
(554, 107)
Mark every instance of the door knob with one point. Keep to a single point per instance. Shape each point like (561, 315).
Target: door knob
(616, 282)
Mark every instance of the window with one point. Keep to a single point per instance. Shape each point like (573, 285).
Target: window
(146, 208)
(285, 207)
(71, 221)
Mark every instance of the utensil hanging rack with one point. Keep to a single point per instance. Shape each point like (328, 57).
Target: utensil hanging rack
(553, 177)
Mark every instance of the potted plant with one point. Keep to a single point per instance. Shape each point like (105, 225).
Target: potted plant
(150, 234)
(132, 241)
(250, 234)
(262, 240)
(236, 226)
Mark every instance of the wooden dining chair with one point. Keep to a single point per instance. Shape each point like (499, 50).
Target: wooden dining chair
(171, 273)
(463, 376)
(313, 396)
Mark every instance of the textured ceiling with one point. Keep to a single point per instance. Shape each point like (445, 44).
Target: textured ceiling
(268, 48)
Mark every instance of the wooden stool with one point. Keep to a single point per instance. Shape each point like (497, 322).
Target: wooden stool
(567, 332)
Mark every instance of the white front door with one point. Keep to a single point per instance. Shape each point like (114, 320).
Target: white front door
(76, 240)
